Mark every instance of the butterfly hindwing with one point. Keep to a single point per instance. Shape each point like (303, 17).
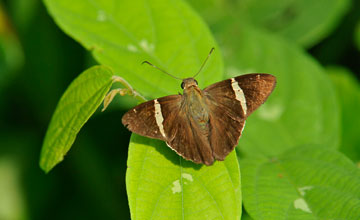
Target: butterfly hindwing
(183, 134)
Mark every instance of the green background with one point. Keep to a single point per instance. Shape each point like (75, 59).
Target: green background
(299, 156)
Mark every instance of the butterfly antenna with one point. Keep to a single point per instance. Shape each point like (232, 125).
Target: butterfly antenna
(147, 62)
(212, 49)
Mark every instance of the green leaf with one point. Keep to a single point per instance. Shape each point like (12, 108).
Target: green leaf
(297, 20)
(303, 107)
(303, 21)
(308, 182)
(348, 92)
(161, 185)
(78, 103)
(122, 34)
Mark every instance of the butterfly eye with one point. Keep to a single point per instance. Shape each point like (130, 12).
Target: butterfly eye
(182, 85)
(196, 82)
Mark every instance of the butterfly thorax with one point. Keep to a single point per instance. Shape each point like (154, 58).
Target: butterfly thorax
(195, 104)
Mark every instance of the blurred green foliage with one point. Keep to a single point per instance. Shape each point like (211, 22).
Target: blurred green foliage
(348, 92)
(309, 126)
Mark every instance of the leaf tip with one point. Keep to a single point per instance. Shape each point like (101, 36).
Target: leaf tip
(48, 161)
(45, 166)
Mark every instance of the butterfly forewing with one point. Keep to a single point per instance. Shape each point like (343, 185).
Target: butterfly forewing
(144, 119)
(222, 95)
(256, 88)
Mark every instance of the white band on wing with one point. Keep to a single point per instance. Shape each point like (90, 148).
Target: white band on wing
(159, 117)
(239, 94)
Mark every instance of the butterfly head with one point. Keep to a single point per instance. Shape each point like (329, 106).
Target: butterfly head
(189, 82)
